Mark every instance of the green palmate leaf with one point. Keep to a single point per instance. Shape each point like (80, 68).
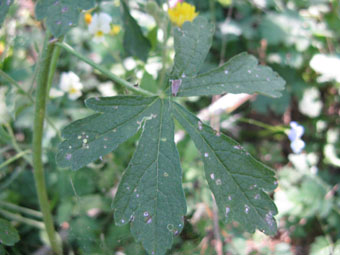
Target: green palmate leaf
(90, 138)
(241, 74)
(4, 7)
(235, 177)
(192, 43)
(61, 15)
(8, 234)
(135, 43)
(150, 194)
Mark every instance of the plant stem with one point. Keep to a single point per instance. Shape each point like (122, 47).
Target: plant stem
(164, 54)
(15, 144)
(104, 71)
(18, 217)
(212, 11)
(21, 209)
(53, 66)
(10, 80)
(263, 125)
(17, 172)
(15, 84)
(39, 116)
(12, 159)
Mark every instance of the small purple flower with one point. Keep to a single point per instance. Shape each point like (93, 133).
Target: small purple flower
(294, 134)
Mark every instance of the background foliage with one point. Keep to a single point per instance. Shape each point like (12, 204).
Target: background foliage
(295, 38)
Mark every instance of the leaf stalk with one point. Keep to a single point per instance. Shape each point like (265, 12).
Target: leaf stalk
(38, 128)
(104, 71)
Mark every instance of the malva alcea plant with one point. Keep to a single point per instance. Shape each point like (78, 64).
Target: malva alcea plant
(150, 196)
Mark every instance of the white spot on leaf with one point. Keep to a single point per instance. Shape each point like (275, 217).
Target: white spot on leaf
(269, 219)
(200, 125)
(246, 209)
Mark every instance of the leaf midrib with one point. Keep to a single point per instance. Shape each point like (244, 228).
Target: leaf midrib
(121, 124)
(221, 162)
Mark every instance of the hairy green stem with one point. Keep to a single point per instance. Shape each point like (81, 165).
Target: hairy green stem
(110, 75)
(38, 127)
(14, 158)
(53, 66)
(21, 209)
(19, 218)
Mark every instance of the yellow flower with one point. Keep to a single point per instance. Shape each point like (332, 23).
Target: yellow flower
(115, 29)
(181, 13)
(88, 18)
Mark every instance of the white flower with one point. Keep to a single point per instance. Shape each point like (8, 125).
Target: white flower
(54, 93)
(106, 89)
(327, 65)
(70, 83)
(297, 146)
(311, 105)
(99, 26)
(294, 135)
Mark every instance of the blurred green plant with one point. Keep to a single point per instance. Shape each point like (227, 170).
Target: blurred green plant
(296, 38)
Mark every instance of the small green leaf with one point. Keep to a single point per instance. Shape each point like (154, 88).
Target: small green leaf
(234, 176)
(135, 43)
(4, 7)
(61, 15)
(192, 43)
(241, 74)
(8, 234)
(150, 194)
(97, 135)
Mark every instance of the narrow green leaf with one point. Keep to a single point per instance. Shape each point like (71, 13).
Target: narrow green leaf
(234, 176)
(61, 15)
(118, 119)
(150, 194)
(8, 234)
(241, 74)
(4, 7)
(135, 43)
(192, 43)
